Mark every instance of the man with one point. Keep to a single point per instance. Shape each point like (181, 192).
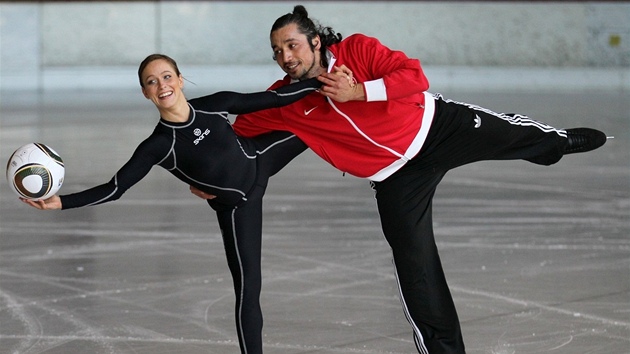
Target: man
(379, 123)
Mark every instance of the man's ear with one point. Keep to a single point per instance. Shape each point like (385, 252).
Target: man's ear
(316, 43)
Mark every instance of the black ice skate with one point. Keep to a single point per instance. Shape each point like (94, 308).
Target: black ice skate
(583, 140)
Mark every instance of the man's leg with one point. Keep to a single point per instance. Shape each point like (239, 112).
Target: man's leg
(405, 209)
(459, 135)
(477, 133)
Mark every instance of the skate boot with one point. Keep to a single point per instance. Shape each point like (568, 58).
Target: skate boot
(583, 140)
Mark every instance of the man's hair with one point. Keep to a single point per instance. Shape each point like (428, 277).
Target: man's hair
(310, 29)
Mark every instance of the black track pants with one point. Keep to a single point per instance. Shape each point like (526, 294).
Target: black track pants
(241, 228)
(460, 134)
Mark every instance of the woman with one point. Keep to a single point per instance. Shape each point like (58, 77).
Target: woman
(195, 142)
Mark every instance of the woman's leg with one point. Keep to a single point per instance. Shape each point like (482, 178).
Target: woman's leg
(241, 228)
(241, 231)
(276, 150)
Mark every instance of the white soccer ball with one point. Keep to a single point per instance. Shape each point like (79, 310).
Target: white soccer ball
(35, 171)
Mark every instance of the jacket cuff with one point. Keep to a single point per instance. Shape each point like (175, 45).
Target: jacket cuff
(375, 90)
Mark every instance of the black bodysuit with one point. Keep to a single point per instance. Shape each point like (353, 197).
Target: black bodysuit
(206, 153)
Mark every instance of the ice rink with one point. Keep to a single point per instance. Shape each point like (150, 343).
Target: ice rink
(538, 258)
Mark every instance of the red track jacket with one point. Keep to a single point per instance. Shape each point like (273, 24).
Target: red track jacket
(370, 139)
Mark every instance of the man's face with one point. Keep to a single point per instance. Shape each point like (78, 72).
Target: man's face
(293, 53)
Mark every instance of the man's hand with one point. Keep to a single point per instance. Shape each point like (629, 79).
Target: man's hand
(201, 194)
(341, 86)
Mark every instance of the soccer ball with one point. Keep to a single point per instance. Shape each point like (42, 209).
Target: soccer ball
(35, 171)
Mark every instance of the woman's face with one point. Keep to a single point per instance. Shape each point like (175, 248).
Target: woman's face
(161, 84)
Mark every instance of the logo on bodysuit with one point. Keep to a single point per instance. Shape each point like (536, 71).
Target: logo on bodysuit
(477, 121)
(200, 135)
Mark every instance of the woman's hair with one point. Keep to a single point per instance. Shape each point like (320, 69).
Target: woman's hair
(152, 58)
(310, 29)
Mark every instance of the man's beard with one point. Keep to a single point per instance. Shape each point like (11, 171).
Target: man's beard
(310, 72)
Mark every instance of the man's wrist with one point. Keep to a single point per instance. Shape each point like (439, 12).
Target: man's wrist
(358, 92)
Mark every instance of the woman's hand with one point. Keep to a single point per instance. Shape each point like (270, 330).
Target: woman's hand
(201, 194)
(52, 203)
(341, 86)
